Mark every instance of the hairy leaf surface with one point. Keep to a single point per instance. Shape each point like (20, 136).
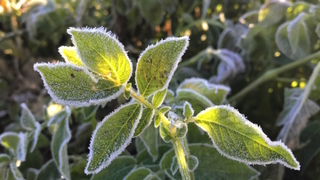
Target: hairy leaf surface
(70, 55)
(102, 53)
(211, 165)
(74, 86)
(112, 136)
(27, 120)
(157, 64)
(158, 98)
(145, 121)
(149, 138)
(237, 138)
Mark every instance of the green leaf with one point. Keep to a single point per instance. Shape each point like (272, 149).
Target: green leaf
(272, 12)
(295, 114)
(311, 136)
(145, 121)
(88, 112)
(59, 145)
(27, 120)
(119, 168)
(198, 101)
(193, 163)
(74, 86)
(282, 40)
(237, 138)
(15, 171)
(149, 138)
(158, 98)
(315, 92)
(60, 116)
(187, 110)
(151, 11)
(318, 30)
(139, 173)
(165, 133)
(297, 8)
(157, 64)
(215, 93)
(174, 165)
(16, 143)
(70, 55)
(112, 136)
(157, 119)
(49, 171)
(211, 165)
(102, 53)
(169, 99)
(35, 136)
(127, 91)
(4, 163)
(32, 174)
(145, 159)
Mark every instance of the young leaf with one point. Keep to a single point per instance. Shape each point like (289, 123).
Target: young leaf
(49, 171)
(197, 100)
(15, 171)
(211, 165)
(145, 121)
(35, 135)
(112, 136)
(27, 120)
(139, 173)
(57, 118)
(74, 86)
(193, 163)
(102, 53)
(149, 138)
(187, 110)
(215, 93)
(174, 165)
(127, 91)
(169, 99)
(70, 55)
(282, 40)
(119, 168)
(165, 133)
(295, 114)
(157, 119)
(157, 64)
(16, 143)
(158, 98)
(237, 138)
(59, 146)
(4, 164)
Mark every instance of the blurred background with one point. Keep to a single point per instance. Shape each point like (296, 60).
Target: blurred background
(232, 42)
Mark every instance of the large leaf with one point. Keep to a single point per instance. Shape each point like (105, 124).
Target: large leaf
(49, 171)
(157, 64)
(74, 86)
(149, 138)
(215, 93)
(59, 145)
(145, 121)
(272, 12)
(211, 165)
(239, 139)
(102, 53)
(119, 168)
(70, 55)
(15, 143)
(112, 136)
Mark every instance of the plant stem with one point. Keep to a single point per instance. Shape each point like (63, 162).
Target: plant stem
(271, 74)
(181, 158)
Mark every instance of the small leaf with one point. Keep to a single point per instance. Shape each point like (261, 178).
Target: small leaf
(127, 91)
(157, 64)
(58, 117)
(70, 55)
(145, 121)
(187, 110)
(158, 116)
(165, 133)
(15, 171)
(16, 143)
(193, 163)
(215, 93)
(139, 173)
(198, 101)
(211, 165)
(112, 136)
(119, 168)
(59, 146)
(231, 132)
(35, 135)
(182, 131)
(149, 138)
(88, 112)
(157, 120)
(102, 53)
(151, 11)
(169, 99)
(74, 86)
(174, 165)
(158, 98)
(27, 120)
(49, 171)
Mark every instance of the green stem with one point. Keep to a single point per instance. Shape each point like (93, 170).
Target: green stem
(181, 158)
(271, 74)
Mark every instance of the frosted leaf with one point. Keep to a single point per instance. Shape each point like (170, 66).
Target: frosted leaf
(169, 99)
(237, 138)
(59, 145)
(295, 115)
(70, 55)
(58, 117)
(27, 120)
(111, 136)
(157, 64)
(158, 98)
(48, 171)
(74, 86)
(187, 110)
(145, 121)
(152, 11)
(15, 172)
(149, 137)
(174, 165)
(215, 93)
(102, 53)
(192, 162)
(211, 165)
(16, 143)
(165, 133)
(35, 135)
(138, 173)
